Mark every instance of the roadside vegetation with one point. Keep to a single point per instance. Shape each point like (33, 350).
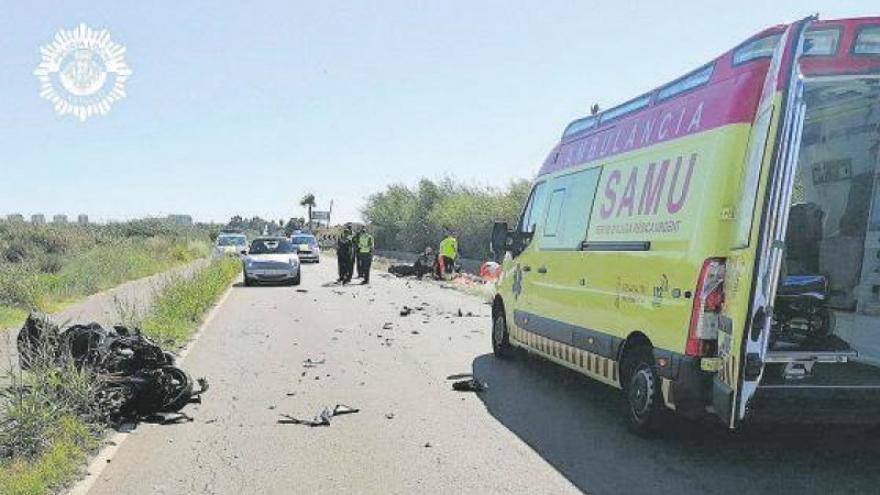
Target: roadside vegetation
(45, 266)
(411, 218)
(49, 423)
(178, 310)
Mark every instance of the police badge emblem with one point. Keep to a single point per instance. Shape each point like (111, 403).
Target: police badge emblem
(82, 72)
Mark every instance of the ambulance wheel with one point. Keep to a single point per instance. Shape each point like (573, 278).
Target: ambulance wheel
(642, 391)
(501, 337)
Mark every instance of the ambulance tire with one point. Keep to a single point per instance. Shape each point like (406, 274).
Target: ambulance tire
(501, 337)
(642, 391)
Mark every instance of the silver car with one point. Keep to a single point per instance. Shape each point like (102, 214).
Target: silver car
(230, 244)
(306, 247)
(272, 259)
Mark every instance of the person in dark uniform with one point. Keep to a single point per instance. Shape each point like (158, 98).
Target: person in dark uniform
(345, 255)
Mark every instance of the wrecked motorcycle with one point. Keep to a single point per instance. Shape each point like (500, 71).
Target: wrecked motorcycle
(137, 377)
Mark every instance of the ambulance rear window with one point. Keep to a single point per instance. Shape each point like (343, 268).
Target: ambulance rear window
(868, 41)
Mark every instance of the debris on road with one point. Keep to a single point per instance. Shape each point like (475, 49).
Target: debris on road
(322, 419)
(471, 385)
(309, 363)
(137, 379)
(389, 415)
(387, 326)
(406, 311)
(302, 290)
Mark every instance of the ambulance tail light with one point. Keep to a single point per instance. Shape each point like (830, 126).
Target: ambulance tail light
(708, 302)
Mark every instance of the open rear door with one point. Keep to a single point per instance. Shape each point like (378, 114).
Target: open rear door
(776, 134)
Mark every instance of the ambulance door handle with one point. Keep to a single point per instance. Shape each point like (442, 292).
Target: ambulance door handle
(542, 269)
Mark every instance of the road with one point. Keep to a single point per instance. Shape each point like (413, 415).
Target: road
(537, 429)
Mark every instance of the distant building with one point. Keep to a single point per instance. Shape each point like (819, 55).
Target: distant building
(61, 219)
(82, 219)
(38, 219)
(180, 219)
(15, 217)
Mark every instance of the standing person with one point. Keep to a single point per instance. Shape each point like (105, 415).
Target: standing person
(344, 254)
(448, 252)
(365, 253)
(357, 259)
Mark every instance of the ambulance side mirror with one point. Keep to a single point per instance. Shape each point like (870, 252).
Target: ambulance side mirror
(501, 240)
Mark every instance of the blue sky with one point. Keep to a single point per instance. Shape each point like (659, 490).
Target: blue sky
(242, 107)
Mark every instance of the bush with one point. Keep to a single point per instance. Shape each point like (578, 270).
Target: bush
(409, 219)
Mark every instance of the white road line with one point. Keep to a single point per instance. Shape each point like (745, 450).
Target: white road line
(100, 462)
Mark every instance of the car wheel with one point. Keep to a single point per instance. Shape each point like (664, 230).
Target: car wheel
(501, 337)
(297, 279)
(247, 281)
(642, 391)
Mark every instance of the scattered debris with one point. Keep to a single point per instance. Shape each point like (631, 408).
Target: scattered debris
(168, 418)
(302, 290)
(389, 415)
(427, 445)
(138, 378)
(414, 332)
(460, 314)
(322, 419)
(406, 311)
(309, 363)
(387, 326)
(459, 376)
(471, 385)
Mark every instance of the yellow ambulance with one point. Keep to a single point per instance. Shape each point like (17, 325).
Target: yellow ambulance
(712, 247)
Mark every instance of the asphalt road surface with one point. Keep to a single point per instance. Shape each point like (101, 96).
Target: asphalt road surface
(537, 429)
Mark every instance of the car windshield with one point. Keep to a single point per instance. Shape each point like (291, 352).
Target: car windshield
(271, 246)
(231, 240)
(303, 239)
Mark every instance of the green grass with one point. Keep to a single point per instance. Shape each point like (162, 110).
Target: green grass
(70, 443)
(23, 286)
(177, 312)
(11, 316)
(48, 422)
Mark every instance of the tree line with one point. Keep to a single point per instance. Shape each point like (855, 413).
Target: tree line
(405, 218)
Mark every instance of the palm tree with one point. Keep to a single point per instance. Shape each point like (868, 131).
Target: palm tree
(308, 201)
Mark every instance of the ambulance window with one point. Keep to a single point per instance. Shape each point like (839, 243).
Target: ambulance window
(821, 42)
(569, 209)
(533, 209)
(867, 41)
(554, 210)
(759, 48)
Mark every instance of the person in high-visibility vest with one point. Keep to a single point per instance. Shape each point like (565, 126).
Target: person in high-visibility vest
(448, 253)
(365, 246)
